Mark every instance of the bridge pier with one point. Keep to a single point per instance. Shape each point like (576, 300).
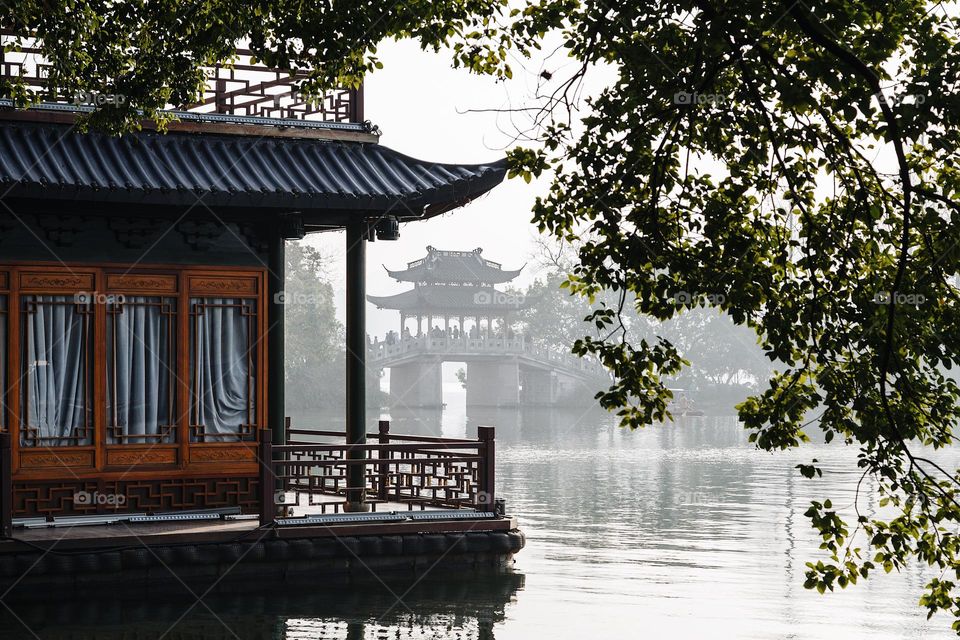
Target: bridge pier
(493, 384)
(417, 384)
(539, 387)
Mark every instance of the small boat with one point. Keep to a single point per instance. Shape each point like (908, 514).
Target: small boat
(682, 405)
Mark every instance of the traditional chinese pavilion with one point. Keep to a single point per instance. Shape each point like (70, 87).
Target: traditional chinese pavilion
(457, 286)
(469, 320)
(141, 306)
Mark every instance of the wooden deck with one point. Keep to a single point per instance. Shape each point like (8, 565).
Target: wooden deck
(127, 534)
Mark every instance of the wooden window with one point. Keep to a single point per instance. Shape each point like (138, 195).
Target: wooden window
(56, 371)
(224, 343)
(154, 367)
(141, 369)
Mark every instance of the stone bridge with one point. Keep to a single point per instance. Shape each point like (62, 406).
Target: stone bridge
(501, 372)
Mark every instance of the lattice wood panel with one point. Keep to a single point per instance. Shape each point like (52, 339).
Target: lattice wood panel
(31, 499)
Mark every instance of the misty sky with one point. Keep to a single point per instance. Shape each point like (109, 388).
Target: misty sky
(419, 102)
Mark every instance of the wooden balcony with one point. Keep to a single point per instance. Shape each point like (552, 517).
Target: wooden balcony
(239, 93)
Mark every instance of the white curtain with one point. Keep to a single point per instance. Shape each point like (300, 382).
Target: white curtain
(139, 371)
(222, 367)
(3, 360)
(56, 372)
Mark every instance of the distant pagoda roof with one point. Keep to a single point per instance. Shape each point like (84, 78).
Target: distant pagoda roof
(467, 267)
(452, 300)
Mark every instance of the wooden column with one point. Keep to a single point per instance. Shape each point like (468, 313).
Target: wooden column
(275, 338)
(268, 503)
(356, 362)
(384, 471)
(488, 482)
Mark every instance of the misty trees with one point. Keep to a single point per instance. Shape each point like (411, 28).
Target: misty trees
(793, 165)
(315, 356)
(724, 361)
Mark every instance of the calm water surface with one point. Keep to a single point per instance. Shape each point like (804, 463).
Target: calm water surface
(679, 531)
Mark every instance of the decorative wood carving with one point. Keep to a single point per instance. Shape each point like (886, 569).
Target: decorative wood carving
(145, 283)
(223, 286)
(51, 458)
(222, 454)
(149, 456)
(200, 235)
(135, 233)
(255, 238)
(35, 498)
(56, 280)
(61, 230)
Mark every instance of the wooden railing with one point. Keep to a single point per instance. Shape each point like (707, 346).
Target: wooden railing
(242, 88)
(310, 475)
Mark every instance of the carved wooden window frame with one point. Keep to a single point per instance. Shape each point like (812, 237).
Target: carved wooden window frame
(246, 431)
(103, 459)
(169, 312)
(85, 435)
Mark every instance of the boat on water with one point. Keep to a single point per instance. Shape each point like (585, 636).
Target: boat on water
(683, 405)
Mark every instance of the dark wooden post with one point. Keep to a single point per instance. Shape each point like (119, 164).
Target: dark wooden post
(6, 486)
(356, 362)
(275, 337)
(268, 506)
(488, 482)
(356, 104)
(384, 471)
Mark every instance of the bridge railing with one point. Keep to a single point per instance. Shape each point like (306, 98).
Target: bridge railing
(431, 344)
(518, 345)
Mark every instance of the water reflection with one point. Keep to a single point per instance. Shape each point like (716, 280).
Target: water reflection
(439, 606)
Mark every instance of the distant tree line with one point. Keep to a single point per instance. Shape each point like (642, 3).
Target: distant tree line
(315, 339)
(726, 363)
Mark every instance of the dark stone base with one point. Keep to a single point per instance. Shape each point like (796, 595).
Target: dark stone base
(233, 566)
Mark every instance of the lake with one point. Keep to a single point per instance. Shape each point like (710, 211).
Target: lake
(677, 531)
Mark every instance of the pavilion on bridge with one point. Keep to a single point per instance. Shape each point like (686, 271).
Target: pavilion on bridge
(469, 320)
(456, 287)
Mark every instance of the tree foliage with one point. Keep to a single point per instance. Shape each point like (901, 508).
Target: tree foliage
(793, 165)
(314, 346)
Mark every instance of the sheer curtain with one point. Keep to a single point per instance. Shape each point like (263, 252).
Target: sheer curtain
(222, 368)
(3, 361)
(56, 372)
(139, 371)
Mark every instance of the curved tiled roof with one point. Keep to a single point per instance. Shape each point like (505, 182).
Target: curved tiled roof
(454, 266)
(451, 299)
(51, 161)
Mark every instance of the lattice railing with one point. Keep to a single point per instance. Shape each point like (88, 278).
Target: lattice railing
(241, 88)
(415, 471)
